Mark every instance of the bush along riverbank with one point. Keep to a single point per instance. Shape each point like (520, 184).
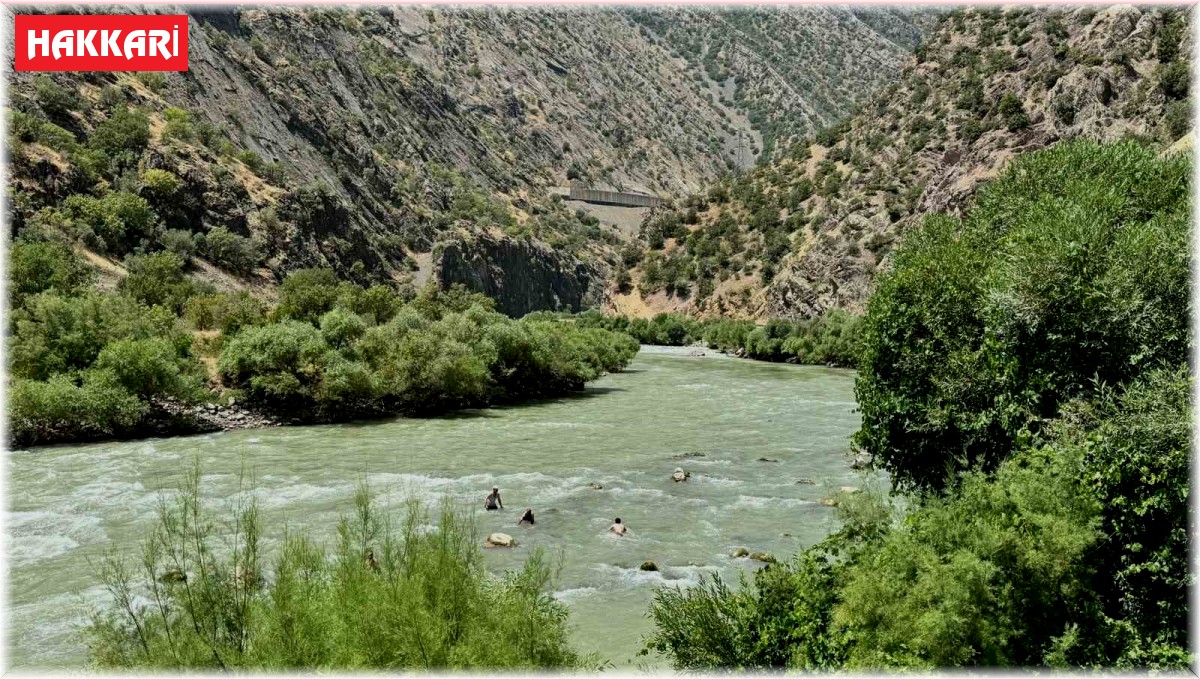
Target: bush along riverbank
(832, 339)
(162, 355)
(1025, 382)
(393, 594)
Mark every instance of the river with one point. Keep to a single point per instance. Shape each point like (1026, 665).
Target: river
(67, 504)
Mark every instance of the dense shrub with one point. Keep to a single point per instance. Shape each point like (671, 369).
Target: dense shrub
(387, 595)
(1036, 355)
(54, 334)
(39, 266)
(229, 250)
(55, 100)
(237, 311)
(85, 366)
(121, 220)
(147, 367)
(157, 280)
(341, 328)
(1070, 271)
(335, 349)
(65, 408)
(276, 361)
(1064, 556)
(126, 131)
(307, 294)
(830, 339)
(433, 354)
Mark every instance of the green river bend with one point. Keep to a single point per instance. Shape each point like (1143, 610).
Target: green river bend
(717, 417)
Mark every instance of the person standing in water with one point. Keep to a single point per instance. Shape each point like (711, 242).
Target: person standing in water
(618, 527)
(526, 517)
(492, 501)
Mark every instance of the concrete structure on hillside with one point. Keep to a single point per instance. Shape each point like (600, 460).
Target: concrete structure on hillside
(615, 198)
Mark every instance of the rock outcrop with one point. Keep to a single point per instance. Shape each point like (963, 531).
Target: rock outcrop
(521, 275)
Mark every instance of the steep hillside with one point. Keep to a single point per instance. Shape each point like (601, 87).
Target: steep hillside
(777, 66)
(807, 232)
(369, 140)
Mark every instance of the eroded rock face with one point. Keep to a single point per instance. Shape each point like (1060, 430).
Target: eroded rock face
(521, 275)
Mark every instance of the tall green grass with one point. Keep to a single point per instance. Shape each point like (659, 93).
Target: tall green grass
(402, 592)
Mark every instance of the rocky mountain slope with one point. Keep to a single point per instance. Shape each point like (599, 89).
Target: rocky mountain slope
(369, 140)
(806, 232)
(776, 65)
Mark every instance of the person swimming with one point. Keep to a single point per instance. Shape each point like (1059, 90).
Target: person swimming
(527, 516)
(492, 501)
(618, 527)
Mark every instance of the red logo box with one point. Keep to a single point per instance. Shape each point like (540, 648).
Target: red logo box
(101, 42)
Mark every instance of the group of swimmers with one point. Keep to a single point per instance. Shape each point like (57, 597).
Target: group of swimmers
(493, 502)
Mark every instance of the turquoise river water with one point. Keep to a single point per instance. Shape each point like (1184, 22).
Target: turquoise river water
(68, 504)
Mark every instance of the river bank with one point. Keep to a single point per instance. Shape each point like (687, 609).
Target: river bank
(170, 417)
(626, 432)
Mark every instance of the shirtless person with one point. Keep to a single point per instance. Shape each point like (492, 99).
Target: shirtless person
(492, 502)
(618, 527)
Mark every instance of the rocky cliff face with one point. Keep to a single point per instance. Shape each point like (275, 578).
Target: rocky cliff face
(522, 276)
(359, 139)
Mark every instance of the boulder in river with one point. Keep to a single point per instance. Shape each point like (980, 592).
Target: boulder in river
(806, 481)
(762, 556)
(862, 461)
(596, 486)
(767, 459)
(740, 552)
(648, 566)
(681, 456)
(679, 476)
(500, 540)
(829, 502)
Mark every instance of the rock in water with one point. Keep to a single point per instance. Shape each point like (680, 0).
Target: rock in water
(648, 566)
(862, 461)
(829, 502)
(767, 459)
(500, 540)
(596, 486)
(850, 490)
(762, 556)
(806, 481)
(678, 476)
(740, 552)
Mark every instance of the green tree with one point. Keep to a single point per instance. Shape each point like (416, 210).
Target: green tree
(120, 219)
(157, 279)
(307, 294)
(127, 131)
(147, 367)
(1068, 271)
(39, 266)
